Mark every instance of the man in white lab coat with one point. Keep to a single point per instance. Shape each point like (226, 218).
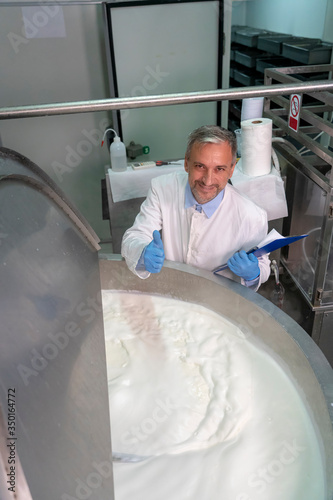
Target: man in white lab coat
(204, 221)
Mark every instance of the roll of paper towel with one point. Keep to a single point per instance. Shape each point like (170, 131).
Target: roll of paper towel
(256, 146)
(252, 108)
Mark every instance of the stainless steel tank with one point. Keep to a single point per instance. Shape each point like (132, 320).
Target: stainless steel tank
(279, 335)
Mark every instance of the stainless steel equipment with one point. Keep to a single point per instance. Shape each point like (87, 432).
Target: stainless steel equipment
(309, 191)
(53, 399)
(280, 336)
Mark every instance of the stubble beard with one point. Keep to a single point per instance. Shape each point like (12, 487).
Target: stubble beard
(198, 196)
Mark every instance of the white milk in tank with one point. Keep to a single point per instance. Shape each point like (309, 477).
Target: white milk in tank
(214, 415)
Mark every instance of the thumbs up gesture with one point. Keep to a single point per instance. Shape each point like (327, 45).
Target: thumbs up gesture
(154, 254)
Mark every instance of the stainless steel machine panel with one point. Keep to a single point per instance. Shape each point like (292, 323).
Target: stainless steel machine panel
(309, 206)
(54, 399)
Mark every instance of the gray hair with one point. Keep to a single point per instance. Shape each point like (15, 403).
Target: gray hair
(212, 134)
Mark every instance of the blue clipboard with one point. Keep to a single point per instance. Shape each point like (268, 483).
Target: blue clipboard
(270, 247)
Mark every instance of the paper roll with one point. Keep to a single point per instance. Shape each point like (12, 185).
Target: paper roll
(256, 146)
(252, 108)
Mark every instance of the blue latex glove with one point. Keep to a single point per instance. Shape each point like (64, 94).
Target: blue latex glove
(154, 254)
(244, 265)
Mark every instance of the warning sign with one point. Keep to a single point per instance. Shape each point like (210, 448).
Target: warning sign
(294, 112)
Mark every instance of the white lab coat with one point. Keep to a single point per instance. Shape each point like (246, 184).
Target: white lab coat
(190, 236)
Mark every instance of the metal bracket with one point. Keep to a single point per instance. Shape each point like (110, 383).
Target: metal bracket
(330, 211)
(321, 294)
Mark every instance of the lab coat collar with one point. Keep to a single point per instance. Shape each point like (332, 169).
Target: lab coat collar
(209, 208)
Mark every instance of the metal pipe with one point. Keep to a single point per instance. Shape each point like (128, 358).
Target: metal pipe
(33, 3)
(162, 100)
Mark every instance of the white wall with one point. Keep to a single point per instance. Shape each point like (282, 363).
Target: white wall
(328, 28)
(58, 69)
(297, 17)
(239, 8)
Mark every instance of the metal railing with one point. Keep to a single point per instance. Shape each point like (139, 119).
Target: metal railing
(316, 115)
(164, 100)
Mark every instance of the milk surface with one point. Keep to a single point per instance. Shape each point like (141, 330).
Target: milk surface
(215, 415)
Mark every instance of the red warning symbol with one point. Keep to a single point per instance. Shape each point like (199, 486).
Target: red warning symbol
(294, 112)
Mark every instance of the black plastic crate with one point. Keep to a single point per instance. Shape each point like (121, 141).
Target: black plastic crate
(234, 28)
(249, 36)
(273, 43)
(247, 57)
(233, 125)
(308, 52)
(310, 77)
(233, 48)
(273, 62)
(235, 108)
(247, 78)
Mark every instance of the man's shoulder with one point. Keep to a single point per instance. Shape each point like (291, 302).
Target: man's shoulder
(244, 202)
(171, 180)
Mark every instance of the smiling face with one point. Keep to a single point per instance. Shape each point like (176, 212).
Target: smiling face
(209, 168)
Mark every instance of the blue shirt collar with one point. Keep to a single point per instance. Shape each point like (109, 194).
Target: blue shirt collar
(209, 208)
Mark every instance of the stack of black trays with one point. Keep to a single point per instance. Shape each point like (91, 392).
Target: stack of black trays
(253, 50)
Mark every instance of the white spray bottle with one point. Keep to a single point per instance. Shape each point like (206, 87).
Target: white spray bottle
(117, 153)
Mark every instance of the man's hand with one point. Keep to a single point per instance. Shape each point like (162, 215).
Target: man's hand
(244, 265)
(154, 254)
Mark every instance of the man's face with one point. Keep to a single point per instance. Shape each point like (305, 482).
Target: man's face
(209, 168)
